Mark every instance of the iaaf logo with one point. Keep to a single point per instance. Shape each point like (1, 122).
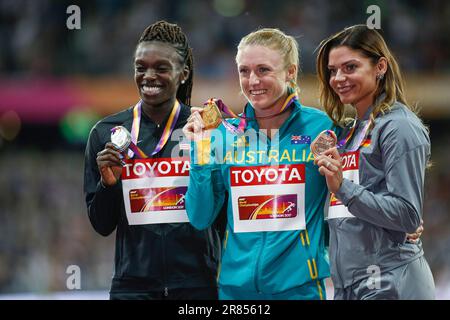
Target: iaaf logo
(263, 175)
(135, 169)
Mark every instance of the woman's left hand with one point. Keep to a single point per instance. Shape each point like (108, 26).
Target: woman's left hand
(414, 237)
(330, 166)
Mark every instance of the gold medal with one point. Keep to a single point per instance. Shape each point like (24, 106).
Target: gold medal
(324, 141)
(211, 116)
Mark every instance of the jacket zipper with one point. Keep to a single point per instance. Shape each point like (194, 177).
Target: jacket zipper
(164, 262)
(338, 273)
(258, 258)
(263, 235)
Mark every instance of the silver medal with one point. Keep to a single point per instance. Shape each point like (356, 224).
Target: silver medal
(121, 138)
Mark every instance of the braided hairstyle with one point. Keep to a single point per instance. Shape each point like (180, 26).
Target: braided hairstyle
(166, 32)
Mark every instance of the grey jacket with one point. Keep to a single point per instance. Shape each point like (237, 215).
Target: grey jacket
(387, 202)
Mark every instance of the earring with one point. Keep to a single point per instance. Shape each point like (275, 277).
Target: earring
(183, 81)
(292, 84)
(380, 76)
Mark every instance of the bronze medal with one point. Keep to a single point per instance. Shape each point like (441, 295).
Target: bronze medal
(324, 141)
(211, 116)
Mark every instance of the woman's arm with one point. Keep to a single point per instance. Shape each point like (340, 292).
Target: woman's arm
(205, 195)
(400, 209)
(404, 161)
(103, 203)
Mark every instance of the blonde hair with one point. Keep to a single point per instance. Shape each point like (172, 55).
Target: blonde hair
(372, 45)
(275, 39)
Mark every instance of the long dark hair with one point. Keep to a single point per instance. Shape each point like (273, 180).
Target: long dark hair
(372, 45)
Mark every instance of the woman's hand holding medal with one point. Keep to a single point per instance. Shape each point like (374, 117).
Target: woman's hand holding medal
(109, 160)
(328, 159)
(195, 128)
(109, 164)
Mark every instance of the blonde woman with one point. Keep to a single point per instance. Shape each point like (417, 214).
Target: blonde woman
(376, 172)
(274, 243)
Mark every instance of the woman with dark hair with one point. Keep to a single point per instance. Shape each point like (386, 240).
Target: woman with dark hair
(140, 192)
(375, 173)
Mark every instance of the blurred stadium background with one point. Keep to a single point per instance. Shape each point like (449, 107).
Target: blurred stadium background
(55, 83)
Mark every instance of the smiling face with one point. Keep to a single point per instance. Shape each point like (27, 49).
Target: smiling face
(353, 76)
(157, 72)
(263, 78)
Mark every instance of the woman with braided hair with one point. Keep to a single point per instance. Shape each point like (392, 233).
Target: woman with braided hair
(139, 191)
